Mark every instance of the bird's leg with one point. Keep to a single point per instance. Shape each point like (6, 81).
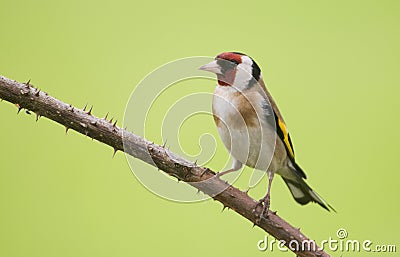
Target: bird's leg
(235, 166)
(267, 199)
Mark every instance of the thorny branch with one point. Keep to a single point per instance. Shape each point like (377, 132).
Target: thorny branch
(25, 96)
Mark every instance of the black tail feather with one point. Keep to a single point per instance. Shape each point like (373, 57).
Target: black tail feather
(303, 194)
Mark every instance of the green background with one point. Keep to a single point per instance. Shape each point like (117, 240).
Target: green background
(332, 66)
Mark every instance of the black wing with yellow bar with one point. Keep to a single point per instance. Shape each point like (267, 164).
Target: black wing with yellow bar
(283, 134)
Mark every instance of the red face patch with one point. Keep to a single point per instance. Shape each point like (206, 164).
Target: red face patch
(229, 56)
(228, 62)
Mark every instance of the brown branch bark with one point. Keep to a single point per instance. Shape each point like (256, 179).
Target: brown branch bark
(25, 96)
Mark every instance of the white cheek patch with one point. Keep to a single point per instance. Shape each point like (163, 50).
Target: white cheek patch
(243, 73)
(247, 60)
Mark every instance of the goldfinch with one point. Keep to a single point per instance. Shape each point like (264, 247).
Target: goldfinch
(252, 128)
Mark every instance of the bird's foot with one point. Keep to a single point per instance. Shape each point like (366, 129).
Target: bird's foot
(265, 204)
(221, 173)
(235, 167)
(267, 201)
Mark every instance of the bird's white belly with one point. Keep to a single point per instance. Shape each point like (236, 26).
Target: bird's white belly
(248, 139)
(251, 147)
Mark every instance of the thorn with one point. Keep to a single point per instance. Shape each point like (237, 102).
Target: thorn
(165, 143)
(37, 116)
(37, 92)
(27, 85)
(115, 151)
(111, 120)
(115, 124)
(198, 191)
(84, 108)
(254, 224)
(66, 130)
(195, 162)
(28, 112)
(204, 172)
(224, 207)
(90, 111)
(247, 191)
(106, 116)
(19, 108)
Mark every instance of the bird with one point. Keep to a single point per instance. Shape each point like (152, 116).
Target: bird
(252, 128)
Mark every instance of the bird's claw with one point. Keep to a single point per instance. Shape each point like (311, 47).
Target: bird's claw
(221, 173)
(218, 175)
(265, 204)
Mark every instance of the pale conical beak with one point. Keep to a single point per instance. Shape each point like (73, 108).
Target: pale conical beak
(212, 67)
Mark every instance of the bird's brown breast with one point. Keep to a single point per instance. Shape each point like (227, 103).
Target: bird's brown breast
(242, 111)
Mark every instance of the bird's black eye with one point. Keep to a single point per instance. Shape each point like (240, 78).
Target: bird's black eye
(227, 64)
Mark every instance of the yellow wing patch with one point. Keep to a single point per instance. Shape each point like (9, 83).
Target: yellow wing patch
(286, 137)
